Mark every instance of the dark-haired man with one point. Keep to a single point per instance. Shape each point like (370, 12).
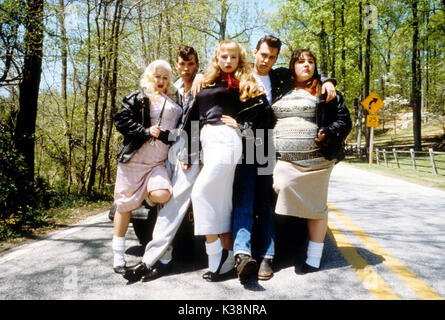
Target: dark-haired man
(253, 190)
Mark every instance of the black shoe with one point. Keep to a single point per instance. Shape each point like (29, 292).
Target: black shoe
(308, 269)
(265, 271)
(245, 266)
(215, 276)
(158, 270)
(120, 269)
(136, 272)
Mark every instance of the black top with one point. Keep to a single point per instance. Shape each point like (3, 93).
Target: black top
(133, 121)
(215, 101)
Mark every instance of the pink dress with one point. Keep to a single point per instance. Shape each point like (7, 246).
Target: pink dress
(146, 170)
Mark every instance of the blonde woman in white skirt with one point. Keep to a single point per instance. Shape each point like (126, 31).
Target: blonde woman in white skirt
(308, 138)
(228, 87)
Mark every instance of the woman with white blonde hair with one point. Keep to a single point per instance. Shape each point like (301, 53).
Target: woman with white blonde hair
(228, 90)
(146, 117)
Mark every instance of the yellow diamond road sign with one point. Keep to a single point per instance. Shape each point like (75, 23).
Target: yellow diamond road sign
(372, 103)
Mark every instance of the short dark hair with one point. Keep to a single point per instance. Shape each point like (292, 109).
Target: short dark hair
(271, 41)
(185, 51)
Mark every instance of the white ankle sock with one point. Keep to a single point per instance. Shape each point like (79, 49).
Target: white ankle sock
(167, 256)
(214, 252)
(118, 246)
(314, 253)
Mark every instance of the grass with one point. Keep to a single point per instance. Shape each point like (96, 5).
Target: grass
(432, 132)
(405, 173)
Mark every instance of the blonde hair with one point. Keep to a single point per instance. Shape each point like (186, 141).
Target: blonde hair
(148, 80)
(248, 86)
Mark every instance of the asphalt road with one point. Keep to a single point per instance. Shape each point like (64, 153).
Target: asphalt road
(386, 241)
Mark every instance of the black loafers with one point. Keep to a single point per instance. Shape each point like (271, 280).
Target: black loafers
(245, 266)
(211, 276)
(215, 276)
(120, 269)
(308, 268)
(136, 272)
(265, 272)
(158, 270)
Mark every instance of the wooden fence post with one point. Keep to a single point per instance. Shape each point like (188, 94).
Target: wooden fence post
(413, 157)
(384, 157)
(433, 164)
(394, 152)
(377, 155)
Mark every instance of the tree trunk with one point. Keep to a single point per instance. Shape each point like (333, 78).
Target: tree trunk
(113, 89)
(360, 68)
(84, 175)
(323, 49)
(416, 81)
(158, 50)
(142, 35)
(29, 87)
(92, 177)
(106, 92)
(223, 20)
(334, 31)
(64, 56)
(343, 49)
(367, 79)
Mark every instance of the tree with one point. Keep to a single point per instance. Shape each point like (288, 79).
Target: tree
(416, 80)
(29, 86)
(11, 46)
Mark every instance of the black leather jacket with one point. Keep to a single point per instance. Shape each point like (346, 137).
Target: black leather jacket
(133, 121)
(255, 113)
(281, 82)
(335, 120)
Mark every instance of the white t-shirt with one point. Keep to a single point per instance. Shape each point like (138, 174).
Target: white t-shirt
(264, 81)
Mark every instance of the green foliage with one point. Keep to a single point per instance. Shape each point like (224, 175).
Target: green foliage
(29, 205)
(19, 203)
(317, 25)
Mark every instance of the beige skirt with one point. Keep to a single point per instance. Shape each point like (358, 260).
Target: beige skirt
(302, 191)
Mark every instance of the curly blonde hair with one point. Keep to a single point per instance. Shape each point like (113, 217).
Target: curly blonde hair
(147, 81)
(248, 86)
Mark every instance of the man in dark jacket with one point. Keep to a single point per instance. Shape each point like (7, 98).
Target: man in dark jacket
(253, 203)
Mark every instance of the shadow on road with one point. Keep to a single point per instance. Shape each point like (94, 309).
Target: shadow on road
(290, 250)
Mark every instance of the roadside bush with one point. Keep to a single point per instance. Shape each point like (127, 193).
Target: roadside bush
(19, 203)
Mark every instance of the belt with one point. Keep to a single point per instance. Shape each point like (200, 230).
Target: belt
(295, 156)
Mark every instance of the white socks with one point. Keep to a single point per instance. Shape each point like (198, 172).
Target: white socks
(314, 253)
(214, 251)
(167, 256)
(118, 246)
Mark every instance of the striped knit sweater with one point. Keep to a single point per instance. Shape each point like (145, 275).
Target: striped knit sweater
(296, 128)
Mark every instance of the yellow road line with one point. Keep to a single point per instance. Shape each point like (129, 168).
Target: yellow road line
(371, 280)
(420, 288)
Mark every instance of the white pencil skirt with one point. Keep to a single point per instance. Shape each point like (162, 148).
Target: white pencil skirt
(213, 189)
